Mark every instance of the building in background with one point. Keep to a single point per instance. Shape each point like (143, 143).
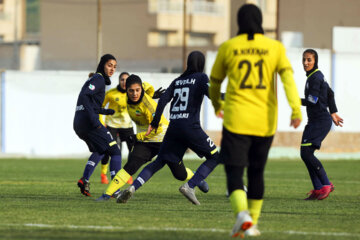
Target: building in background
(19, 34)
(148, 35)
(310, 24)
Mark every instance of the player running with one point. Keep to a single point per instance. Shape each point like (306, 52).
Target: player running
(87, 125)
(318, 97)
(250, 61)
(186, 94)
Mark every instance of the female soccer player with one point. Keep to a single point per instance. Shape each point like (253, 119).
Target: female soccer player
(87, 125)
(119, 124)
(186, 94)
(250, 61)
(318, 97)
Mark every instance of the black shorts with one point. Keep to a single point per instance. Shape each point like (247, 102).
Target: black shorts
(241, 150)
(177, 141)
(145, 150)
(315, 132)
(98, 139)
(122, 133)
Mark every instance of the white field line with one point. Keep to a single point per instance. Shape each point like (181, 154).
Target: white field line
(173, 229)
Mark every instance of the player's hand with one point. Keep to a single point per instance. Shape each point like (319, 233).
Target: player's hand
(150, 128)
(158, 93)
(338, 121)
(109, 111)
(295, 122)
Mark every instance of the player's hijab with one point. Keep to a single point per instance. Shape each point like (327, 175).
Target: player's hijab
(100, 68)
(119, 88)
(249, 19)
(195, 63)
(313, 52)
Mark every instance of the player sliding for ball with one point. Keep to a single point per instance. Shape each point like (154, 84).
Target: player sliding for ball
(186, 93)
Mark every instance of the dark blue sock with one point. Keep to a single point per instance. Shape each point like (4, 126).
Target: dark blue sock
(147, 173)
(94, 159)
(323, 176)
(314, 177)
(203, 171)
(315, 168)
(115, 165)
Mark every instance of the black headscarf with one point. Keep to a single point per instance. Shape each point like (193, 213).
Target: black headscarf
(119, 88)
(101, 65)
(313, 52)
(249, 19)
(133, 79)
(195, 63)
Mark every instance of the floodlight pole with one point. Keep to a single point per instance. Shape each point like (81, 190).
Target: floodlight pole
(277, 19)
(184, 36)
(99, 32)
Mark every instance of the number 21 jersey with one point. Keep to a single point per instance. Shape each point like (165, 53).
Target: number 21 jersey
(250, 102)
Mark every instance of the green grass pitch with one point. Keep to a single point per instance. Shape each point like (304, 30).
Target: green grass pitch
(39, 199)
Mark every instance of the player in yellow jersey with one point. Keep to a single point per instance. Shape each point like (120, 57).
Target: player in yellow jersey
(141, 108)
(250, 61)
(119, 124)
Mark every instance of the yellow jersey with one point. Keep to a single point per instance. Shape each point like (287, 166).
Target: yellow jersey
(117, 102)
(250, 106)
(142, 114)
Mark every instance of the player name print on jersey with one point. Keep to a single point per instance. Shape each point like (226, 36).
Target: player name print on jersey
(184, 82)
(179, 116)
(251, 51)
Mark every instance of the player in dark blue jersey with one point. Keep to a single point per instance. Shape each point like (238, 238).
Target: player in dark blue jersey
(87, 125)
(186, 94)
(318, 97)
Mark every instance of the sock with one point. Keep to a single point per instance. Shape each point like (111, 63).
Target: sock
(147, 173)
(118, 181)
(202, 172)
(104, 168)
(255, 206)
(238, 200)
(190, 174)
(94, 159)
(115, 165)
(323, 177)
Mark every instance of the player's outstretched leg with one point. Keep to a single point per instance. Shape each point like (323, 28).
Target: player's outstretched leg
(202, 172)
(84, 183)
(143, 177)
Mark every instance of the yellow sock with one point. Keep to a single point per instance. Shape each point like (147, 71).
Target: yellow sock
(118, 181)
(104, 168)
(255, 206)
(238, 200)
(190, 174)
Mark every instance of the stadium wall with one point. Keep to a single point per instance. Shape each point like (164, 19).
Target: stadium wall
(38, 107)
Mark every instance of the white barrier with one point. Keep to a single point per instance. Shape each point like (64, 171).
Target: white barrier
(38, 107)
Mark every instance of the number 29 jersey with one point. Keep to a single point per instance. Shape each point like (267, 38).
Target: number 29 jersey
(186, 95)
(250, 101)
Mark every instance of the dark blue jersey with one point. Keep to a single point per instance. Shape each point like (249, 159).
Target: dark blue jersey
(186, 95)
(89, 103)
(316, 97)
